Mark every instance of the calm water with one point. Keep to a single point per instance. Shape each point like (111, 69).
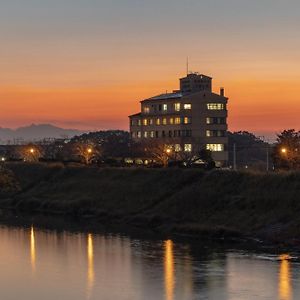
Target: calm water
(46, 265)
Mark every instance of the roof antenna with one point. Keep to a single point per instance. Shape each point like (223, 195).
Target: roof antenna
(187, 66)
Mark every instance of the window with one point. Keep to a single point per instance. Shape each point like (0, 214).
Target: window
(146, 109)
(209, 133)
(139, 134)
(215, 133)
(165, 107)
(132, 123)
(145, 122)
(177, 120)
(187, 147)
(158, 121)
(187, 106)
(156, 134)
(187, 133)
(164, 121)
(177, 148)
(145, 134)
(170, 133)
(163, 134)
(159, 107)
(215, 106)
(152, 134)
(215, 147)
(171, 121)
(187, 120)
(177, 106)
(133, 134)
(139, 122)
(215, 120)
(151, 122)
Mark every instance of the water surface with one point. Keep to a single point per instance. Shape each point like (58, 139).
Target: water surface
(38, 264)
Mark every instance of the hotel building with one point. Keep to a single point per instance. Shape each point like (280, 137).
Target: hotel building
(190, 119)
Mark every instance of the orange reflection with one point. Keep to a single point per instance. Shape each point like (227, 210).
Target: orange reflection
(285, 287)
(169, 270)
(32, 249)
(90, 271)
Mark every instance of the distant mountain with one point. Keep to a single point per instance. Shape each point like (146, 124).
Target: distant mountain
(35, 132)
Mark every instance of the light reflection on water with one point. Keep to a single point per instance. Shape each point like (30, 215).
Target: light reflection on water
(94, 266)
(285, 288)
(90, 272)
(32, 249)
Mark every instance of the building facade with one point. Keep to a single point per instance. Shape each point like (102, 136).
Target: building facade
(190, 119)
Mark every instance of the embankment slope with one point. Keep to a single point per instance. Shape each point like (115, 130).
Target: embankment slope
(186, 201)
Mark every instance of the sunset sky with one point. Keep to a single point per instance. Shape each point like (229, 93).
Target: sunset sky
(87, 63)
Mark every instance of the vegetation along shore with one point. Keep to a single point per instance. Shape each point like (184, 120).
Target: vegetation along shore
(213, 204)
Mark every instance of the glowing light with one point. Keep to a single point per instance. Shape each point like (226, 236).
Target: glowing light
(283, 150)
(32, 150)
(89, 150)
(285, 288)
(90, 271)
(32, 249)
(168, 150)
(169, 270)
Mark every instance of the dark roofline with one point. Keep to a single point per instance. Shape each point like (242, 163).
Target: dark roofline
(134, 115)
(166, 96)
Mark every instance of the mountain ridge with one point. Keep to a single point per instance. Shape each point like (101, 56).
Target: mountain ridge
(36, 132)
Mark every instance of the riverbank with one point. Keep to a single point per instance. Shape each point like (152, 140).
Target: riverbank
(216, 204)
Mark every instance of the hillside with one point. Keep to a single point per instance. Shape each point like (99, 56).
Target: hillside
(215, 204)
(35, 132)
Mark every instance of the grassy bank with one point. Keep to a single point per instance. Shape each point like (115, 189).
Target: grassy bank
(217, 203)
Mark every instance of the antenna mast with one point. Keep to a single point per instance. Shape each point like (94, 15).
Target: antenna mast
(187, 66)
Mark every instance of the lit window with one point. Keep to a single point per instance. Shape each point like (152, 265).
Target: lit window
(145, 134)
(171, 121)
(215, 147)
(209, 120)
(165, 107)
(150, 121)
(164, 121)
(139, 122)
(145, 122)
(146, 110)
(177, 120)
(139, 134)
(177, 148)
(133, 134)
(187, 106)
(186, 120)
(187, 147)
(209, 133)
(152, 134)
(158, 121)
(215, 106)
(177, 106)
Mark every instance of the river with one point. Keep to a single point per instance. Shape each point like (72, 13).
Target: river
(60, 265)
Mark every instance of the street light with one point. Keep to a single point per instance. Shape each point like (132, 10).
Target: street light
(89, 150)
(32, 150)
(168, 150)
(283, 150)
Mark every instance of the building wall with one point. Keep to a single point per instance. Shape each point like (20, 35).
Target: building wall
(194, 133)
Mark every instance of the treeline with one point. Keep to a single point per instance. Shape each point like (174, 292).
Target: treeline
(116, 148)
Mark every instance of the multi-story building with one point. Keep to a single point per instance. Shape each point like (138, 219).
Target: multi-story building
(190, 119)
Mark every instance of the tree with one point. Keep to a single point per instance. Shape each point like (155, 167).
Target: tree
(286, 154)
(86, 151)
(250, 150)
(31, 152)
(159, 152)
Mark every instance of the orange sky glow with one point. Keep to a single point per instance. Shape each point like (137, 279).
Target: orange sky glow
(88, 66)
